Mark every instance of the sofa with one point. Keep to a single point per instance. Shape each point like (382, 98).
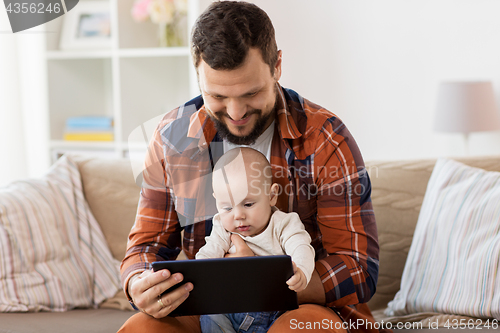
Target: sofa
(398, 189)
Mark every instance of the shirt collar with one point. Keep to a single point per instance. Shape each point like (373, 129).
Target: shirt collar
(199, 123)
(286, 124)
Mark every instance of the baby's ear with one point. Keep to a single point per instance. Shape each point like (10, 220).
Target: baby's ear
(213, 193)
(273, 194)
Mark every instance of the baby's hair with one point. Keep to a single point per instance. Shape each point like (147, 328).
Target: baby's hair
(251, 158)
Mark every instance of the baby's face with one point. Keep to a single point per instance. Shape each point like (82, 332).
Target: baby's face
(244, 203)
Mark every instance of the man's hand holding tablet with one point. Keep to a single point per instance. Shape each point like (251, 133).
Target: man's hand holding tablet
(146, 291)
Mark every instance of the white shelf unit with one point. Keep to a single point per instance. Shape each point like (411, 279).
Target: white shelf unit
(133, 81)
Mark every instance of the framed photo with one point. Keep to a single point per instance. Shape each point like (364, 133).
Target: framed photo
(87, 26)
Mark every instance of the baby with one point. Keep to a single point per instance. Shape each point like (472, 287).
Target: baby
(245, 198)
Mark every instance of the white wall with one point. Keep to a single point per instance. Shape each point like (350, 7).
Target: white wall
(23, 106)
(377, 65)
(11, 129)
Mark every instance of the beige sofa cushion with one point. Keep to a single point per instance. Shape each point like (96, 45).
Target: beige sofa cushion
(398, 189)
(110, 189)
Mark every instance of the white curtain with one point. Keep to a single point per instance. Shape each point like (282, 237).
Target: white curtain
(24, 135)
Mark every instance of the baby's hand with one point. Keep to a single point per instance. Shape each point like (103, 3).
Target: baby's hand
(298, 281)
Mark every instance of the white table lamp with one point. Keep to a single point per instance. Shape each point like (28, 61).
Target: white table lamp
(465, 107)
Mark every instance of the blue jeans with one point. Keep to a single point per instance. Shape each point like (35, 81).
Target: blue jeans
(251, 322)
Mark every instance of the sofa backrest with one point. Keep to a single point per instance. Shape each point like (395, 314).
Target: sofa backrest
(398, 189)
(110, 189)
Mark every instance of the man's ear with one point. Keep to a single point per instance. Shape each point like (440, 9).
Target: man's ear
(273, 194)
(277, 68)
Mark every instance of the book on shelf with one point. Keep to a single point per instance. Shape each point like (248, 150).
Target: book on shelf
(88, 136)
(90, 122)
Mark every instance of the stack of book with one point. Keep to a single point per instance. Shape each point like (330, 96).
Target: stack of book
(89, 128)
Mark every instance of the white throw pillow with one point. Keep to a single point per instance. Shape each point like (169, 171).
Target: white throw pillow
(453, 265)
(53, 255)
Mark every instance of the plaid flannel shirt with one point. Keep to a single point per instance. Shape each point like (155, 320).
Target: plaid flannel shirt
(322, 177)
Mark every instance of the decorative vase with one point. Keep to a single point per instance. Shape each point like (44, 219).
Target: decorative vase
(168, 35)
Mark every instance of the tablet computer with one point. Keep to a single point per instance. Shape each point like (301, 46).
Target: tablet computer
(233, 285)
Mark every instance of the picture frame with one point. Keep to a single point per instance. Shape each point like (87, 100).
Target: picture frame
(87, 26)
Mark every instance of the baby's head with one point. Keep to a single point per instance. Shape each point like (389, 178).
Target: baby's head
(244, 192)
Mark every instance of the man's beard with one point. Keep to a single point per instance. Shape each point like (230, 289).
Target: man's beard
(260, 126)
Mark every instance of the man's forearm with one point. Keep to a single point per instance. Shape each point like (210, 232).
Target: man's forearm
(314, 293)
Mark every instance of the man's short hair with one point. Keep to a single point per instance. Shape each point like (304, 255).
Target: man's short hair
(226, 30)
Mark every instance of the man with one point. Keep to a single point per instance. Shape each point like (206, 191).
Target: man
(314, 159)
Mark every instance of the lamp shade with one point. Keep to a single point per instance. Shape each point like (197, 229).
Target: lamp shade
(465, 107)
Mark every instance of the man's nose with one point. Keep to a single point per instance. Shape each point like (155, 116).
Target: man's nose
(236, 109)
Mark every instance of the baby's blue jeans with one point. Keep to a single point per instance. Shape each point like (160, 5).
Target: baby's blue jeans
(247, 322)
